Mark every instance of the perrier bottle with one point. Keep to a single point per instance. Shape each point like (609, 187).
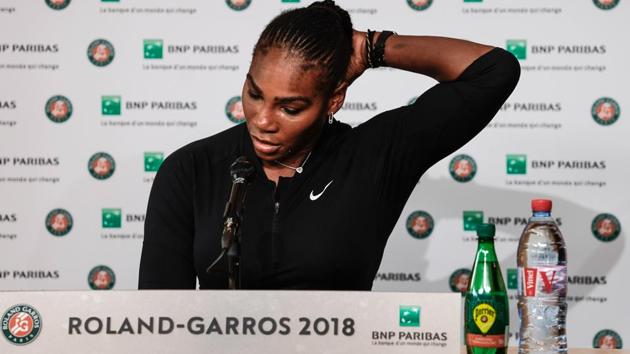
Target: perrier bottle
(486, 314)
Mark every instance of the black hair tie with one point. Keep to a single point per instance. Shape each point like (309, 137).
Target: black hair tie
(376, 54)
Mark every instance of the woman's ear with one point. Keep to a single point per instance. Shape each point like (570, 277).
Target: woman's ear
(337, 99)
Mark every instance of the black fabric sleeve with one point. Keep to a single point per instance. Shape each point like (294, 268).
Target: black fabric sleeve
(405, 142)
(167, 250)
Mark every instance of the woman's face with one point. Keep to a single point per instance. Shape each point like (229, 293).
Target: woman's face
(284, 106)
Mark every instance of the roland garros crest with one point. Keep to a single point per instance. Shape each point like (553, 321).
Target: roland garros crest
(234, 110)
(101, 52)
(101, 278)
(462, 168)
(420, 224)
(58, 109)
(605, 4)
(607, 339)
(606, 227)
(21, 324)
(57, 4)
(59, 222)
(605, 111)
(101, 165)
(459, 280)
(419, 5)
(238, 5)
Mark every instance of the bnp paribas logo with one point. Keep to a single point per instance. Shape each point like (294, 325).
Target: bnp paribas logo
(111, 218)
(605, 4)
(238, 5)
(58, 109)
(59, 222)
(607, 339)
(101, 52)
(518, 48)
(472, 219)
(21, 324)
(234, 110)
(101, 278)
(101, 165)
(153, 161)
(605, 111)
(516, 164)
(459, 279)
(420, 224)
(409, 316)
(462, 168)
(419, 5)
(606, 227)
(111, 105)
(57, 4)
(153, 49)
(512, 278)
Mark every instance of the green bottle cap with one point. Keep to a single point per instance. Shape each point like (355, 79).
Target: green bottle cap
(486, 231)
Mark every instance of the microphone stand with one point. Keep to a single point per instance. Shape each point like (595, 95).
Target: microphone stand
(240, 171)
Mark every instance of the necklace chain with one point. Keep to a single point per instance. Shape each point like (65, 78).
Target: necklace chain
(298, 169)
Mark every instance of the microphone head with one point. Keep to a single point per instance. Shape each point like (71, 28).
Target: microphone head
(241, 169)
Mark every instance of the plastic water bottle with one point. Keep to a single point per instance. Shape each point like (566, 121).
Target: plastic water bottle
(542, 284)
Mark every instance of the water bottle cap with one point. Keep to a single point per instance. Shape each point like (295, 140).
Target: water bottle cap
(486, 231)
(541, 205)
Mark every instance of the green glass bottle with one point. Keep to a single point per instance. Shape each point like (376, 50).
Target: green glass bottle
(486, 313)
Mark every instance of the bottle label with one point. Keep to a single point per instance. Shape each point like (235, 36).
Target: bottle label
(486, 321)
(542, 281)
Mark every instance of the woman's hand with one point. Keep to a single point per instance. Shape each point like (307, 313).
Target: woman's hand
(358, 60)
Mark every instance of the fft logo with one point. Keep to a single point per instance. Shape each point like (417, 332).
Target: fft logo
(472, 219)
(234, 110)
(101, 278)
(512, 278)
(518, 48)
(516, 164)
(238, 5)
(605, 111)
(606, 4)
(21, 324)
(420, 224)
(101, 165)
(419, 5)
(409, 316)
(462, 168)
(101, 52)
(58, 109)
(57, 4)
(606, 227)
(153, 49)
(607, 339)
(59, 222)
(459, 280)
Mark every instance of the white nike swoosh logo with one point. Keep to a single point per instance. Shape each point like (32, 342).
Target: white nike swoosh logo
(316, 196)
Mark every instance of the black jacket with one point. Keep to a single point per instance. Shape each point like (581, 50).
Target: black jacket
(327, 227)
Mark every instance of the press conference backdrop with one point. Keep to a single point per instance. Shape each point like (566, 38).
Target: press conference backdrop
(95, 94)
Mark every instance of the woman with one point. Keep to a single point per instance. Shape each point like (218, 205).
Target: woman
(325, 196)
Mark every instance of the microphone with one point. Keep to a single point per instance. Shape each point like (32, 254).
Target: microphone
(241, 170)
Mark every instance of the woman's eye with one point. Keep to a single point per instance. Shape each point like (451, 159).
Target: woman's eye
(291, 111)
(253, 95)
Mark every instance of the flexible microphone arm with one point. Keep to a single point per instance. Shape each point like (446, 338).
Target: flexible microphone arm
(241, 171)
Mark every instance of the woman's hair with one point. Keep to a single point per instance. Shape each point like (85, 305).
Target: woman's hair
(320, 34)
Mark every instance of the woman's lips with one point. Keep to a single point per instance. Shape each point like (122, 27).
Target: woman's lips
(264, 146)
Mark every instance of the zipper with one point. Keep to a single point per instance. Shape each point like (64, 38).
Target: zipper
(275, 229)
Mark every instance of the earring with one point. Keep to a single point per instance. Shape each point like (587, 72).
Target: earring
(330, 118)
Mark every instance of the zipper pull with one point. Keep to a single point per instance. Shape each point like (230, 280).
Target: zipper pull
(277, 207)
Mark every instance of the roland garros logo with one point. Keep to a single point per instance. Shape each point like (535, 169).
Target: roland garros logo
(21, 324)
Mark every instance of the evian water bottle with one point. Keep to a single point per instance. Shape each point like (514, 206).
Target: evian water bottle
(542, 284)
